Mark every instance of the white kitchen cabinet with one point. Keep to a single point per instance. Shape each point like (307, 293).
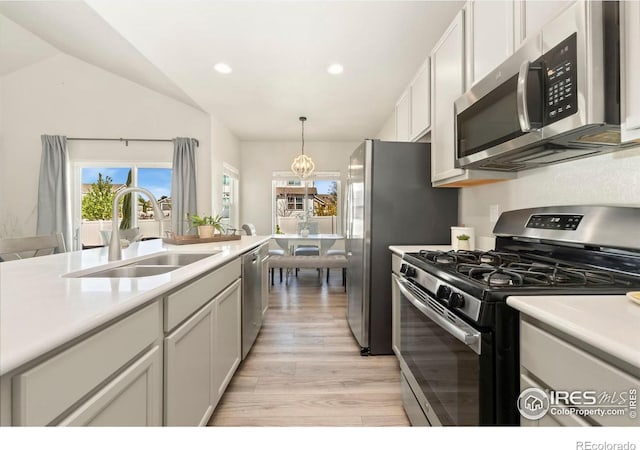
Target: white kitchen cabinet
(395, 316)
(447, 84)
(559, 365)
(490, 29)
(189, 372)
(403, 117)
(44, 393)
(448, 71)
(133, 398)
(531, 15)
(421, 102)
(227, 337)
(630, 67)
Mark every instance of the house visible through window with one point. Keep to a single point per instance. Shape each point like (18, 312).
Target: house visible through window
(95, 188)
(316, 201)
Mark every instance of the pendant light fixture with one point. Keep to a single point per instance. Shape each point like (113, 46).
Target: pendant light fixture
(302, 165)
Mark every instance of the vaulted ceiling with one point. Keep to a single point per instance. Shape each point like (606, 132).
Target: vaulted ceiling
(279, 52)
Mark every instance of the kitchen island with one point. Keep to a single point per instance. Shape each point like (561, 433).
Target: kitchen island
(46, 313)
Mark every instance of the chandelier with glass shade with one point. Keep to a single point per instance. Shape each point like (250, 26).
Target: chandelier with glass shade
(302, 165)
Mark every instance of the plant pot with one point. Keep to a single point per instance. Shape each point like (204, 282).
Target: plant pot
(463, 244)
(206, 231)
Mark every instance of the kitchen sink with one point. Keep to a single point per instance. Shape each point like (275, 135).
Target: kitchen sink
(131, 271)
(173, 259)
(145, 267)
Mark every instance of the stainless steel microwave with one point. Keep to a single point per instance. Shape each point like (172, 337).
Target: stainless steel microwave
(556, 98)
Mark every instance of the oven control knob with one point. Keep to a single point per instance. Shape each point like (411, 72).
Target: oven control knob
(443, 293)
(403, 268)
(456, 300)
(410, 272)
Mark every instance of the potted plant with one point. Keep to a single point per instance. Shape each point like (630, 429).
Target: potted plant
(206, 225)
(463, 241)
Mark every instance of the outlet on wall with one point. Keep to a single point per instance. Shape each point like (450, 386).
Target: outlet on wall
(494, 213)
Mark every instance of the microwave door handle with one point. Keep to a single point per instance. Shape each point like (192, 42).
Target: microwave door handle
(521, 97)
(470, 340)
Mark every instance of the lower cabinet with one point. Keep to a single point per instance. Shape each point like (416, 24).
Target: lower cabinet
(188, 360)
(227, 337)
(201, 356)
(133, 398)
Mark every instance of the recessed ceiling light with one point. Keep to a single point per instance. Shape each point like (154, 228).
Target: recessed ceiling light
(223, 68)
(335, 69)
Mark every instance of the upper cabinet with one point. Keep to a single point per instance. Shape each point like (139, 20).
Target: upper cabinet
(491, 37)
(448, 74)
(630, 66)
(447, 84)
(403, 116)
(421, 102)
(413, 109)
(531, 15)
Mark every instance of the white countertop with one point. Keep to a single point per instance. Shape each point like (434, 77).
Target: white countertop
(610, 323)
(402, 249)
(41, 310)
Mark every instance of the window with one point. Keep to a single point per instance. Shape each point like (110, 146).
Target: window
(95, 186)
(230, 189)
(315, 200)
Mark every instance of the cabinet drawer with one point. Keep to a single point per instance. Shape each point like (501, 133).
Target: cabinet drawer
(184, 302)
(44, 392)
(562, 366)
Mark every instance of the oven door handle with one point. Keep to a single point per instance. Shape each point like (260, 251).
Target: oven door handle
(472, 340)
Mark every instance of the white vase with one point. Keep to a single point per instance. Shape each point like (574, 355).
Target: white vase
(304, 232)
(463, 244)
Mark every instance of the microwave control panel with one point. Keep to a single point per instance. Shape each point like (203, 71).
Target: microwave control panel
(555, 222)
(561, 81)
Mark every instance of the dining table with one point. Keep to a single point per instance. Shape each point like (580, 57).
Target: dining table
(288, 242)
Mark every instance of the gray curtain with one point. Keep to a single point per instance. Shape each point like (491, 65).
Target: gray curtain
(183, 183)
(53, 206)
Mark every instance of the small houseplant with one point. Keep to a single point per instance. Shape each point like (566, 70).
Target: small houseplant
(463, 241)
(206, 225)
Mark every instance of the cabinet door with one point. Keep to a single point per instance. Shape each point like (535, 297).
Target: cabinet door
(421, 102)
(395, 316)
(490, 26)
(447, 84)
(532, 15)
(133, 398)
(630, 52)
(189, 354)
(227, 337)
(403, 117)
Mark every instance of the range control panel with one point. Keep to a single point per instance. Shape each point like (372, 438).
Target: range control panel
(555, 221)
(561, 80)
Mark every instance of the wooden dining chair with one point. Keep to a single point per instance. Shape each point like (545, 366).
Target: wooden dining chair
(31, 246)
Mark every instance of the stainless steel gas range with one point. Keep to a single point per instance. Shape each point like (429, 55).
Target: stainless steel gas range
(458, 337)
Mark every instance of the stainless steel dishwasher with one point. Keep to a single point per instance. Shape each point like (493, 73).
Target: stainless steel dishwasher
(253, 279)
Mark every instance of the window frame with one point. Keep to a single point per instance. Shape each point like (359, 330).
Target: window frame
(76, 194)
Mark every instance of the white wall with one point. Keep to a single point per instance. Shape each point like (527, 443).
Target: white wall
(388, 130)
(612, 179)
(63, 95)
(260, 159)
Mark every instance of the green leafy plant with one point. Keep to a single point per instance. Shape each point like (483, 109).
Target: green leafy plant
(97, 204)
(199, 221)
(463, 237)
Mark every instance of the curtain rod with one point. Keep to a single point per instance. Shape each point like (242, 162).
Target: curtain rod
(126, 141)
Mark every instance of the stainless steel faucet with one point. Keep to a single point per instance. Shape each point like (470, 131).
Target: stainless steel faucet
(115, 252)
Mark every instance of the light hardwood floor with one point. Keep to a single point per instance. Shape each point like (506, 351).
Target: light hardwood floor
(305, 368)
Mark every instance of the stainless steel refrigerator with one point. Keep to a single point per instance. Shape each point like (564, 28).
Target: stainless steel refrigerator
(388, 201)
